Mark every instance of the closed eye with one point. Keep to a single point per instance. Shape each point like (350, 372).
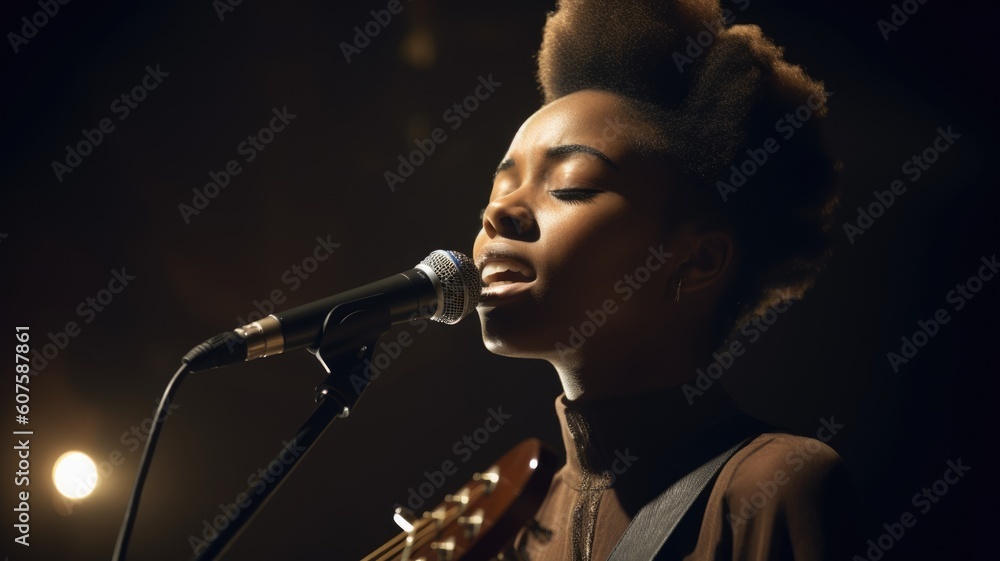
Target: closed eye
(572, 196)
(575, 195)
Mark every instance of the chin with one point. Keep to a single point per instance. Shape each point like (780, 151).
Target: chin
(515, 339)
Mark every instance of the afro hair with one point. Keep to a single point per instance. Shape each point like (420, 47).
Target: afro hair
(739, 123)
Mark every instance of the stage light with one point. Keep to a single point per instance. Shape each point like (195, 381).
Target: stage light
(75, 475)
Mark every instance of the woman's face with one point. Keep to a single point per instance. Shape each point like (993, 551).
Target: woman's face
(577, 215)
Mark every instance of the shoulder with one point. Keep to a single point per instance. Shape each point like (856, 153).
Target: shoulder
(780, 497)
(782, 476)
(772, 454)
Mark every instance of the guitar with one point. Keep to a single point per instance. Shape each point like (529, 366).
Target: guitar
(480, 521)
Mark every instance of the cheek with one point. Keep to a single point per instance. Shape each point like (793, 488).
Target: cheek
(591, 253)
(477, 244)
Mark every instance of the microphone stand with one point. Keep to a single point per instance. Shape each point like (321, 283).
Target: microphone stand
(350, 332)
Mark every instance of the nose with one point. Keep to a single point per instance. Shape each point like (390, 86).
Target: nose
(509, 217)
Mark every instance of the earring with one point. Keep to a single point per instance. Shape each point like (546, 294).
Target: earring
(677, 298)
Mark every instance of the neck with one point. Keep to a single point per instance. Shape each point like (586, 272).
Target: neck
(643, 367)
(652, 426)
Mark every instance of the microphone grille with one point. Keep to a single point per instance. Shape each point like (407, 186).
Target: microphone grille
(461, 284)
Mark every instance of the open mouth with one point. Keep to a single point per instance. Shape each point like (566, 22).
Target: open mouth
(502, 272)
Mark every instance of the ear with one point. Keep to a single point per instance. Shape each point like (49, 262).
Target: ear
(705, 259)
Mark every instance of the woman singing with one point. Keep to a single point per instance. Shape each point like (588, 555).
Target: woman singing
(662, 197)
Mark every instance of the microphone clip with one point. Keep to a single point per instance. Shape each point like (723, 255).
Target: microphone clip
(346, 347)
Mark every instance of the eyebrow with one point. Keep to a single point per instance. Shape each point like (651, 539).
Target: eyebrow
(563, 150)
(504, 165)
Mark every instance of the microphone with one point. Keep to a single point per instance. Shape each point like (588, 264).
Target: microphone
(445, 287)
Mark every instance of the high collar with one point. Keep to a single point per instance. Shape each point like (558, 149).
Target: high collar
(640, 434)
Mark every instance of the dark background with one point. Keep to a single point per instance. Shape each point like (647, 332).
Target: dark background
(323, 176)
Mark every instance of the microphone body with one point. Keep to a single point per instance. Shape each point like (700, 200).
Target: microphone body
(408, 293)
(444, 287)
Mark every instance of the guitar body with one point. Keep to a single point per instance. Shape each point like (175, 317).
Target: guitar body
(480, 520)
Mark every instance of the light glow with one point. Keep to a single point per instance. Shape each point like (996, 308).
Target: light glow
(75, 475)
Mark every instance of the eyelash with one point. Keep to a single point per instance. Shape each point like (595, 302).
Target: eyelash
(574, 196)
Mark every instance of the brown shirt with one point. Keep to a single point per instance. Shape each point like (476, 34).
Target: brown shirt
(781, 497)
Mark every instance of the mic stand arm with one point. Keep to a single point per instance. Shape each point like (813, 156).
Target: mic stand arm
(348, 340)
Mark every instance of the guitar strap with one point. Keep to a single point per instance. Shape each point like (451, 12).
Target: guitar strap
(654, 522)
